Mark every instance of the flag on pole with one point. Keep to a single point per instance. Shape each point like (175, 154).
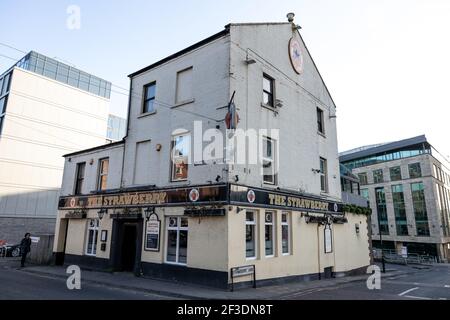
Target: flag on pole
(232, 117)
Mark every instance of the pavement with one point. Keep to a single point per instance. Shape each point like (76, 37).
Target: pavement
(49, 282)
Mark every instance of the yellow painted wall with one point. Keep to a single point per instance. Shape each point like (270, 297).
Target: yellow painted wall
(352, 249)
(307, 254)
(105, 224)
(76, 236)
(218, 243)
(207, 244)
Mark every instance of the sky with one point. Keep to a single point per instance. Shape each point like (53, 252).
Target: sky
(385, 63)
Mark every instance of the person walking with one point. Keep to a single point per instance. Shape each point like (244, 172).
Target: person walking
(25, 246)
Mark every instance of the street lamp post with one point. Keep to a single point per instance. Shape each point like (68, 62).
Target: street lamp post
(381, 244)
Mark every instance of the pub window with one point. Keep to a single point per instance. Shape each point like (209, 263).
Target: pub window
(415, 170)
(250, 235)
(320, 122)
(79, 179)
(285, 233)
(268, 159)
(103, 174)
(323, 175)
(177, 239)
(149, 98)
(180, 157)
(268, 91)
(91, 248)
(377, 176)
(269, 232)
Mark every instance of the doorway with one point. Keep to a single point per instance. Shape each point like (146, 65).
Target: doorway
(128, 247)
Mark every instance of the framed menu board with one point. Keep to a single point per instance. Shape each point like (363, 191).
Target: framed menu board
(152, 233)
(328, 239)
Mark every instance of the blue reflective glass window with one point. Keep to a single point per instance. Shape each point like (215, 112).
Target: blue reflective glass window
(40, 65)
(5, 87)
(84, 81)
(94, 85)
(108, 90)
(62, 73)
(3, 104)
(50, 69)
(74, 76)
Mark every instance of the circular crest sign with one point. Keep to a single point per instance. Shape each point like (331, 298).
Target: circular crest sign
(194, 195)
(296, 55)
(72, 202)
(251, 196)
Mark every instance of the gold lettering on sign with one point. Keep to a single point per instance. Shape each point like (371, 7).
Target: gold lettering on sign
(126, 199)
(295, 202)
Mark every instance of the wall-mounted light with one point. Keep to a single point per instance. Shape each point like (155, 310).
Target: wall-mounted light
(218, 178)
(315, 170)
(250, 61)
(91, 162)
(290, 16)
(236, 178)
(148, 212)
(158, 147)
(238, 209)
(101, 213)
(357, 227)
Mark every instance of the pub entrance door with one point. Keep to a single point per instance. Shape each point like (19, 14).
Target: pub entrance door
(127, 244)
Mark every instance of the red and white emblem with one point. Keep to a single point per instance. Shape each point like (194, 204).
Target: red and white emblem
(72, 202)
(194, 195)
(251, 196)
(296, 55)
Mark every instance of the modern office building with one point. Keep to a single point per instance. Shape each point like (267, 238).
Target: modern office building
(173, 200)
(407, 184)
(47, 109)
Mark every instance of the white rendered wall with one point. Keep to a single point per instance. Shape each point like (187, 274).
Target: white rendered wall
(45, 119)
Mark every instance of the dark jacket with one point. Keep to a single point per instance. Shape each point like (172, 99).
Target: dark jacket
(25, 245)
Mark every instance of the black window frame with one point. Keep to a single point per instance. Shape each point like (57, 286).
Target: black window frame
(145, 100)
(320, 121)
(411, 166)
(324, 174)
(78, 187)
(272, 160)
(393, 177)
(270, 94)
(381, 177)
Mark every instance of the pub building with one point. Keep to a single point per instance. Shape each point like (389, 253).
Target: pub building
(149, 205)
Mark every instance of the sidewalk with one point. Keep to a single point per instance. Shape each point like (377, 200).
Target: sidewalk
(190, 291)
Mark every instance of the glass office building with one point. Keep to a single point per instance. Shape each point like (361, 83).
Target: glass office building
(407, 183)
(50, 68)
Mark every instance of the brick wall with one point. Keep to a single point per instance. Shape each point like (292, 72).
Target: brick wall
(13, 229)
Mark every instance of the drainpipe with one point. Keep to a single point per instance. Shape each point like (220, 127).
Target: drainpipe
(318, 250)
(126, 134)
